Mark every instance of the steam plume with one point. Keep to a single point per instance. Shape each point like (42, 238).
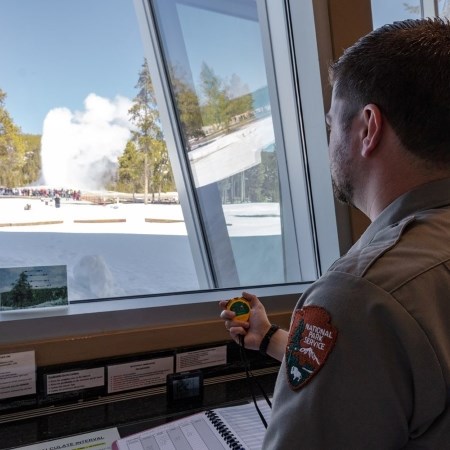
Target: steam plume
(80, 149)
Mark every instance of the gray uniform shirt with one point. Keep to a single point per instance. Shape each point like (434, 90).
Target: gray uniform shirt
(383, 379)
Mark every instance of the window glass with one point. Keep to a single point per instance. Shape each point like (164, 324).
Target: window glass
(215, 60)
(85, 177)
(388, 11)
(444, 8)
(79, 137)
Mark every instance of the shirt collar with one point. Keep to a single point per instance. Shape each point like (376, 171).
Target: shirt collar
(435, 194)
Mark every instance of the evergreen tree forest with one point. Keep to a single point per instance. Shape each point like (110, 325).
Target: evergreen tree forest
(20, 162)
(220, 109)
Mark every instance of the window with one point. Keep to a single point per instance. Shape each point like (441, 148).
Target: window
(387, 11)
(214, 57)
(72, 73)
(239, 152)
(444, 8)
(228, 90)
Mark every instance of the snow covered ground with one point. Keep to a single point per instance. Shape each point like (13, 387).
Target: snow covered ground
(115, 250)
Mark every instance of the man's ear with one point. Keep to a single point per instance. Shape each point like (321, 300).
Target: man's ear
(373, 124)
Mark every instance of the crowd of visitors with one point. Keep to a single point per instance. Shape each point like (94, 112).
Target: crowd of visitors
(42, 192)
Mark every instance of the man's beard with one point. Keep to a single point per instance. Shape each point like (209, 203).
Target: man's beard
(341, 175)
(343, 191)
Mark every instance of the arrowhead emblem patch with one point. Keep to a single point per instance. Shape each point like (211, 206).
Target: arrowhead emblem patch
(311, 339)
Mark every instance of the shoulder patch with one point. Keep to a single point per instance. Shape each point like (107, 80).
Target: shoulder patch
(311, 339)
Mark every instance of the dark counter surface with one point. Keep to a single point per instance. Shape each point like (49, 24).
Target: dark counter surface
(147, 410)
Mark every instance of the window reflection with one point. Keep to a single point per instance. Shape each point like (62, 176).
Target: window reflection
(388, 11)
(215, 58)
(444, 8)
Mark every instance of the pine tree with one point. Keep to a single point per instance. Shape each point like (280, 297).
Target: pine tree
(188, 105)
(148, 136)
(130, 175)
(22, 292)
(32, 166)
(216, 111)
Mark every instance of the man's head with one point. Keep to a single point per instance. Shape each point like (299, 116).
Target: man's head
(403, 69)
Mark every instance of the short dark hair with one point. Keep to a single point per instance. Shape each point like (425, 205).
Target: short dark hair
(404, 69)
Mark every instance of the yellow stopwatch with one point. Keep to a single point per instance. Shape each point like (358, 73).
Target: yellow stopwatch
(241, 307)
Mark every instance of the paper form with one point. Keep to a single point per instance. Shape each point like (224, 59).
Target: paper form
(194, 432)
(201, 431)
(246, 423)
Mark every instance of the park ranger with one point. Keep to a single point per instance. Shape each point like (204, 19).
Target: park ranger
(366, 362)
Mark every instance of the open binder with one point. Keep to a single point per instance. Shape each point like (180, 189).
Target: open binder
(235, 427)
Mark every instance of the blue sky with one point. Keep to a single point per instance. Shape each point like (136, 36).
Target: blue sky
(384, 11)
(204, 43)
(56, 52)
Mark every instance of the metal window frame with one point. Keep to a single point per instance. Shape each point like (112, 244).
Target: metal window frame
(311, 53)
(430, 8)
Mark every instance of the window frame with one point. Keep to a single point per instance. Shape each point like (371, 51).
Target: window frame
(430, 8)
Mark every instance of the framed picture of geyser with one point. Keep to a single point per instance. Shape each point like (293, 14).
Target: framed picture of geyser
(33, 288)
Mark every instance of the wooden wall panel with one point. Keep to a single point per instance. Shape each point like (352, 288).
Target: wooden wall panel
(105, 345)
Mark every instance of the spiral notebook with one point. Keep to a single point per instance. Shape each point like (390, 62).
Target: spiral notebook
(235, 427)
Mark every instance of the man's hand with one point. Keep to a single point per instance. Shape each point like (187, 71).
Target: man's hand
(253, 330)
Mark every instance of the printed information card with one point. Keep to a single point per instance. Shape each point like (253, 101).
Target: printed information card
(33, 288)
(99, 440)
(17, 374)
(198, 359)
(139, 374)
(75, 381)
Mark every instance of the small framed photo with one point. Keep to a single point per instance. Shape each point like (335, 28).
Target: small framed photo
(185, 388)
(30, 288)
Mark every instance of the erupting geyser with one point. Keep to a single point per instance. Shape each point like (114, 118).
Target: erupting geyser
(80, 149)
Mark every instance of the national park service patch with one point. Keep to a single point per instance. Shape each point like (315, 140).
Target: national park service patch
(311, 340)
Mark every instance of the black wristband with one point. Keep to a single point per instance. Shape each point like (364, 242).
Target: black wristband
(266, 339)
